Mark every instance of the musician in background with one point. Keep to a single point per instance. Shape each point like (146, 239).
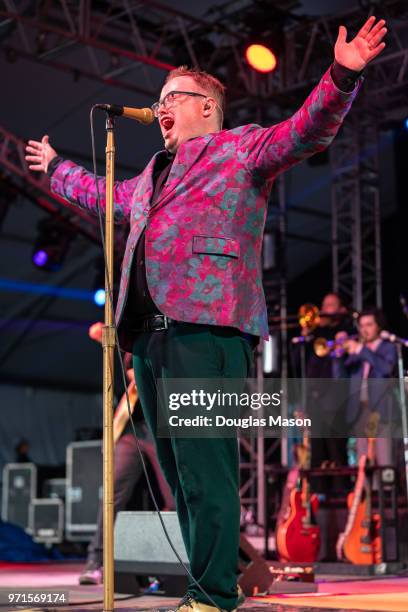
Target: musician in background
(127, 464)
(22, 450)
(366, 358)
(327, 451)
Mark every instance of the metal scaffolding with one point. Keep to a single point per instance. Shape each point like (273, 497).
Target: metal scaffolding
(356, 245)
(36, 187)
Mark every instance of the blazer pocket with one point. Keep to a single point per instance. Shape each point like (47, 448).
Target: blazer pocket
(216, 245)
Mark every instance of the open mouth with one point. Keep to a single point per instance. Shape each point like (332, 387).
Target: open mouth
(167, 123)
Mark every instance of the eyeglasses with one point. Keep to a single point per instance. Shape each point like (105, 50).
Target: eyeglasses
(170, 98)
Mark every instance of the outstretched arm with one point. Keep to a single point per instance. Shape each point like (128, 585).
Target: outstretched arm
(76, 184)
(268, 151)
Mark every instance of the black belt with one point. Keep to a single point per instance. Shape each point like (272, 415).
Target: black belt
(159, 322)
(155, 322)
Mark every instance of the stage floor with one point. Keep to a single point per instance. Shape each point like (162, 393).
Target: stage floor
(382, 594)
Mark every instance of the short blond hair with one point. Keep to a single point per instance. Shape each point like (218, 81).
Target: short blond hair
(209, 83)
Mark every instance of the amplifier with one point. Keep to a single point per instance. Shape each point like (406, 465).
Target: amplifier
(55, 488)
(141, 549)
(19, 488)
(46, 520)
(83, 490)
(141, 546)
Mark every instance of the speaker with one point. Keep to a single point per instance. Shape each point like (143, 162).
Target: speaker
(46, 520)
(54, 488)
(83, 489)
(19, 488)
(141, 549)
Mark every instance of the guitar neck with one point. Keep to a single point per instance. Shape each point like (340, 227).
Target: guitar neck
(371, 450)
(358, 490)
(306, 499)
(370, 461)
(305, 479)
(121, 416)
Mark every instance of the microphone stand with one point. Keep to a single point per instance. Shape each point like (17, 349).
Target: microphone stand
(403, 401)
(108, 344)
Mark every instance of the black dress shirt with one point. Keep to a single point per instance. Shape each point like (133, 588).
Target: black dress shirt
(139, 303)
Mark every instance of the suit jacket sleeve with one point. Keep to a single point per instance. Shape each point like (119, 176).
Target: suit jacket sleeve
(383, 362)
(269, 151)
(78, 186)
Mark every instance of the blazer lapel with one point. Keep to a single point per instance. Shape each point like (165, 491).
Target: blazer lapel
(145, 186)
(186, 156)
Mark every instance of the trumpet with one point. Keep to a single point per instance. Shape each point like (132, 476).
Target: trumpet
(323, 347)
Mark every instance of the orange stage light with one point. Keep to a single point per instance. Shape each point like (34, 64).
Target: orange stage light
(261, 58)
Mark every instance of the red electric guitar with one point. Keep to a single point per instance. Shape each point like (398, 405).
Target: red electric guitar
(360, 543)
(298, 535)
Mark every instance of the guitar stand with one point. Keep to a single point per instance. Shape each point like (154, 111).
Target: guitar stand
(386, 506)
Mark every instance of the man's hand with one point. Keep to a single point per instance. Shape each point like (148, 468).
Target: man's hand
(353, 347)
(39, 154)
(95, 331)
(356, 54)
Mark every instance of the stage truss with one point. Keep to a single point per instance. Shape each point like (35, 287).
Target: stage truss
(121, 42)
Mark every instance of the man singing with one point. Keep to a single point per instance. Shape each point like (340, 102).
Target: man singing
(191, 302)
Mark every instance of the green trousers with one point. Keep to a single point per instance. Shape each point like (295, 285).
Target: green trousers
(203, 473)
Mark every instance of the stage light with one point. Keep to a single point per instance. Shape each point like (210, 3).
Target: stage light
(52, 244)
(261, 58)
(99, 297)
(406, 123)
(40, 258)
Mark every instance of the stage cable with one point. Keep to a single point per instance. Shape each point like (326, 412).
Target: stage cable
(122, 368)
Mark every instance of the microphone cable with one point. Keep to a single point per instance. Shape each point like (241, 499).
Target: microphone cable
(122, 368)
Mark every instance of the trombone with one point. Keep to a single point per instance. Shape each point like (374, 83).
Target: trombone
(307, 317)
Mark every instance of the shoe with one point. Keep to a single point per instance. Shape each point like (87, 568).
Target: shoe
(241, 596)
(92, 574)
(189, 604)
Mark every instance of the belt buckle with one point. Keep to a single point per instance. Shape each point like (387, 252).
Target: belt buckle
(163, 325)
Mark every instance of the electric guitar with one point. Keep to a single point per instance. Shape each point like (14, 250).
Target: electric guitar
(298, 536)
(360, 543)
(121, 416)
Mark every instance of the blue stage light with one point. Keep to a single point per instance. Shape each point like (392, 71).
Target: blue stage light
(40, 258)
(406, 123)
(99, 297)
(52, 243)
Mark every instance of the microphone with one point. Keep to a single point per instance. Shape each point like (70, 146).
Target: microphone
(143, 115)
(386, 335)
